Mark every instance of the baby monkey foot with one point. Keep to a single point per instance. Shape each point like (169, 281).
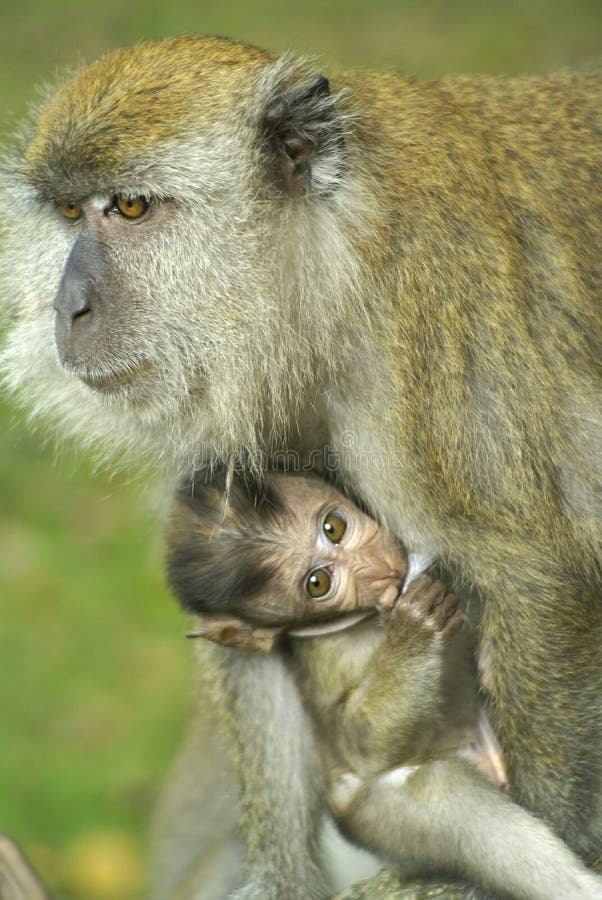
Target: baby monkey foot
(426, 609)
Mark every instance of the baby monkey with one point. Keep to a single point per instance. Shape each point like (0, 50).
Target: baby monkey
(386, 669)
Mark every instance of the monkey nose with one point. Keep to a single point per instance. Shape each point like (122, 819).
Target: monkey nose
(78, 321)
(71, 303)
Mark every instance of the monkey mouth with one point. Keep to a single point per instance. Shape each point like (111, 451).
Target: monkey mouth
(112, 382)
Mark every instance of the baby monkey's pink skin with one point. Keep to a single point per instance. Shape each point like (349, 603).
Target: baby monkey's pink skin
(366, 569)
(366, 566)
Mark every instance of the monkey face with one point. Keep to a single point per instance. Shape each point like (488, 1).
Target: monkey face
(329, 558)
(160, 262)
(299, 559)
(116, 312)
(94, 323)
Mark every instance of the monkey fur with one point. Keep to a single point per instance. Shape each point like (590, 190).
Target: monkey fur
(246, 258)
(412, 768)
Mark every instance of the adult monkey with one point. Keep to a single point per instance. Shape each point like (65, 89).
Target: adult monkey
(243, 258)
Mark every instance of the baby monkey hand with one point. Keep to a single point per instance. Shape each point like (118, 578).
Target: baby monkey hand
(425, 612)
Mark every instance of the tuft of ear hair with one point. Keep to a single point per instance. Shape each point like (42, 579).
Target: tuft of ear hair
(305, 134)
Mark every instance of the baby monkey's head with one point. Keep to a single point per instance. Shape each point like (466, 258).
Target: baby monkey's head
(287, 554)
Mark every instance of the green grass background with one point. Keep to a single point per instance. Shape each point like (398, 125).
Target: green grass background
(95, 677)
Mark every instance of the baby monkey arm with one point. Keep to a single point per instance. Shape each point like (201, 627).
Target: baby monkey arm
(394, 709)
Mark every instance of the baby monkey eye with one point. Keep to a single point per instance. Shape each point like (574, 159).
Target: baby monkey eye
(71, 211)
(318, 583)
(334, 527)
(131, 207)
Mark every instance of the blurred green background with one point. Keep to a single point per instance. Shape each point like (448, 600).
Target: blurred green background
(95, 677)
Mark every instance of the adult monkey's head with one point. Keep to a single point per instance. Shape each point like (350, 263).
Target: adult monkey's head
(179, 232)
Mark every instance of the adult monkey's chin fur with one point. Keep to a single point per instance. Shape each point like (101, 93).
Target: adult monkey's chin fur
(408, 273)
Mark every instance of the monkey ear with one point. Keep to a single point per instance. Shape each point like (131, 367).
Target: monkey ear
(306, 139)
(233, 632)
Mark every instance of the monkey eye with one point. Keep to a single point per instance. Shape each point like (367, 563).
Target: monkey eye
(334, 527)
(318, 583)
(71, 211)
(131, 207)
